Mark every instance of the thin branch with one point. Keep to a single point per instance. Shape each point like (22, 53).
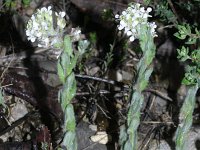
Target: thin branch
(95, 78)
(160, 94)
(103, 111)
(174, 10)
(18, 122)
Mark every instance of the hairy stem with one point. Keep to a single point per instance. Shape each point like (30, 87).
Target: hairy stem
(185, 118)
(66, 64)
(128, 134)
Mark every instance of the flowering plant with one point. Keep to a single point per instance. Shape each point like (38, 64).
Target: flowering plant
(134, 21)
(40, 28)
(191, 79)
(132, 18)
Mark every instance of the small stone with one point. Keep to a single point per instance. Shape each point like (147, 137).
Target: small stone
(29, 11)
(100, 137)
(18, 111)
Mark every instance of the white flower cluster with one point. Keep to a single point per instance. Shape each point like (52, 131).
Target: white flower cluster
(132, 18)
(40, 28)
(75, 34)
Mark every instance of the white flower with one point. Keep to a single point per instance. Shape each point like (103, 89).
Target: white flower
(153, 26)
(75, 34)
(133, 30)
(129, 33)
(35, 25)
(128, 16)
(43, 9)
(132, 18)
(137, 15)
(126, 29)
(32, 39)
(132, 38)
(124, 13)
(120, 27)
(62, 14)
(46, 40)
(38, 34)
(142, 10)
(145, 16)
(116, 16)
(28, 33)
(44, 24)
(149, 9)
(39, 45)
(40, 27)
(49, 8)
(122, 23)
(33, 18)
(135, 23)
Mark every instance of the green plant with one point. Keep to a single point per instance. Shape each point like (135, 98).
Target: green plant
(185, 31)
(134, 21)
(93, 38)
(44, 146)
(1, 99)
(189, 53)
(66, 64)
(12, 3)
(165, 13)
(191, 79)
(107, 14)
(26, 2)
(40, 28)
(185, 118)
(84, 50)
(191, 7)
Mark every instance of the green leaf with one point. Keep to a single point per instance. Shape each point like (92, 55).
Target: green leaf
(144, 79)
(183, 53)
(183, 31)
(65, 66)
(186, 118)
(83, 46)
(72, 63)
(128, 146)
(122, 135)
(195, 55)
(69, 120)
(68, 45)
(191, 40)
(147, 2)
(69, 141)
(107, 14)
(68, 91)
(93, 38)
(10, 3)
(197, 32)
(58, 45)
(188, 29)
(1, 99)
(180, 36)
(26, 2)
(61, 72)
(189, 79)
(63, 69)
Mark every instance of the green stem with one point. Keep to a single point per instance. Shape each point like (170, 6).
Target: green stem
(185, 118)
(128, 133)
(66, 64)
